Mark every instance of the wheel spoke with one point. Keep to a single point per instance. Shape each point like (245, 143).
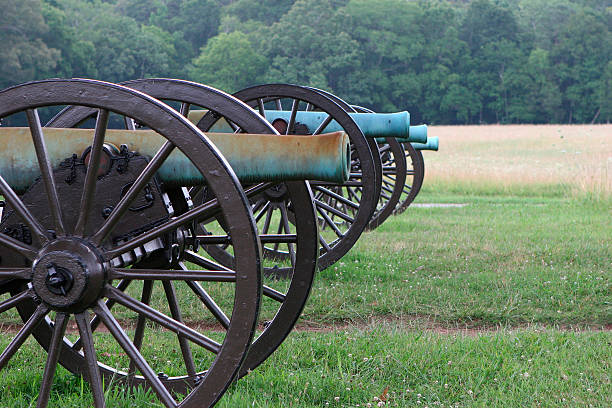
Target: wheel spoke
(24, 249)
(184, 110)
(208, 301)
(61, 321)
(129, 123)
(285, 219)
(127, 345)
(204, 262)
(337, 197)
(326, 246)
(175, 312)
(123, 205)
(332, 210)
(145, 297)
(89, 351)
(260, 106)
(172, 274)
(255, 207)
(266, 226)
(294, 108)
(273, 294)
(38, 315)
(208, 209)
(323, 125)
(330, 222)
(15, 202)
(15, 273)
(95, 321)
(162, 319)
(89, 188)
(15, 300)
(46, 170)
(263, 211)
(279, 230)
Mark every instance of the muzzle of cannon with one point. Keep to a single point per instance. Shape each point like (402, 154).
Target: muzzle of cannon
(373, 125)
(432, 144)
(254, 158)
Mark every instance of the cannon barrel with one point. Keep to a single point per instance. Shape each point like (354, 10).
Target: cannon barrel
(373, 125)
(432, 144)
(417, 134)
(254, 158)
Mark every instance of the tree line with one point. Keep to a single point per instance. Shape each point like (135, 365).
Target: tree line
(447, 62)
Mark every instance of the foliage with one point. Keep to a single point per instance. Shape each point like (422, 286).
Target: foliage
(480, 61)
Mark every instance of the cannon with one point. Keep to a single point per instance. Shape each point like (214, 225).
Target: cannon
(68, 250)
(399, 185)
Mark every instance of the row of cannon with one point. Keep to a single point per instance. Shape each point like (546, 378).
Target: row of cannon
(154, 195)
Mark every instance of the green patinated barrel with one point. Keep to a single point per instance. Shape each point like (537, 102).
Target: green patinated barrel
(254, 158)
(418, 134)
(373, 125)
(432, 144)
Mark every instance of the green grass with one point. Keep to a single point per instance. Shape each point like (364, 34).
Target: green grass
(519, 269)
(498, 261)
(503, 369)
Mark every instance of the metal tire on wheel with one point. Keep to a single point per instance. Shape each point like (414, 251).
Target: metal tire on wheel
(351, 209)
(74, 266)
(287, 301)
(415, 172)
(394, 170)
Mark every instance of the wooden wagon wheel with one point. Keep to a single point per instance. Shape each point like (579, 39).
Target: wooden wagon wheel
(415, 172)
(394, 172)
(286, 300)
(74, 259)
(343, 223)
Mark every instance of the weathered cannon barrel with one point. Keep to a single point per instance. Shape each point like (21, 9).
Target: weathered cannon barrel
(372, 125)
(254, 158)
(416, 134)
(432, 144)
(378, 125)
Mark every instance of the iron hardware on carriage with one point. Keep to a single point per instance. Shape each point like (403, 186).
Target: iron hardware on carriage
(98, 213)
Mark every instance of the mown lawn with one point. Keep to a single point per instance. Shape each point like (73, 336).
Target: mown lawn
(504, 302)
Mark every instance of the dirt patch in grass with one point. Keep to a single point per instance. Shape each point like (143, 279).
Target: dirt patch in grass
(428, 325)
(384, 323)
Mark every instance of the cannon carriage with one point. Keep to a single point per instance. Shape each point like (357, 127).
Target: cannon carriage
(95, 216)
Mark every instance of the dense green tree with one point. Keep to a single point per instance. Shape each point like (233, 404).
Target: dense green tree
(23, 53)
(262, 11)
(480, 61)
(228, 62)
(309, 46)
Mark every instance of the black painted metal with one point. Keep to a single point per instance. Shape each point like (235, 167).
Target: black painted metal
(344, 223)
(91, 264)
(393, 177)
(415, 172)
(299, 240)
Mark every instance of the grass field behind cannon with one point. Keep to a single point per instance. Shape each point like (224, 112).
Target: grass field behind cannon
(503, 302)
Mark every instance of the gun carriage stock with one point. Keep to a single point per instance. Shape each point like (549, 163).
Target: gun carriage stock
(90, 210)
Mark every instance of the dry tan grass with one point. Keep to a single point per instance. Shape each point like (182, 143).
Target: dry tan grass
(509, 155)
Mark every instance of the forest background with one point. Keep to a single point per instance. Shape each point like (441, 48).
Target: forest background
(447, 62)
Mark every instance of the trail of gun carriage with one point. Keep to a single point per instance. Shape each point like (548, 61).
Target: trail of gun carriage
(164, 242)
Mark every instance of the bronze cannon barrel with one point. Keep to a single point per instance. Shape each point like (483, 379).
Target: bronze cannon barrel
(373, 125)
(254, 158)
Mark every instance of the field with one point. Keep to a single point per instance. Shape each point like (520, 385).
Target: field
(505, 301)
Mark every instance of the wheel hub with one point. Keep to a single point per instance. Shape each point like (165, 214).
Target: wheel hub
(59, 280)
(68, 274)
